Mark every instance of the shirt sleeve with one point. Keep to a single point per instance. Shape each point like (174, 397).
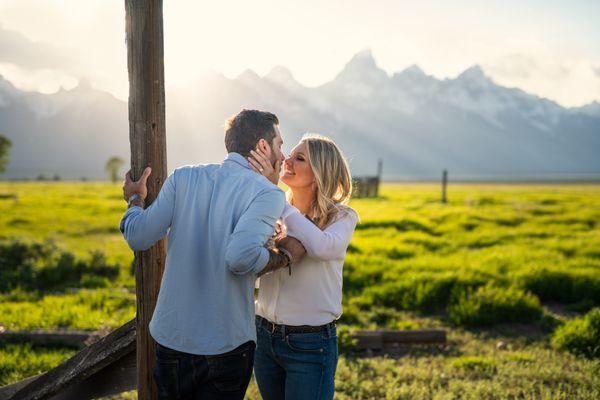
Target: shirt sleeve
(246, 251)
(142, 228)
(328, 244)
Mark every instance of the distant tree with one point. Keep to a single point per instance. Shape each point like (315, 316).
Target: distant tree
(113, 165)
(4, 153)
(56, 177)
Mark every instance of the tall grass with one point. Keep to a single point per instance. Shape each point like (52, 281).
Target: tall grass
(495, 254)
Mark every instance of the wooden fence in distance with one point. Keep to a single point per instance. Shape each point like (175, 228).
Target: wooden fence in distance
(368, 186)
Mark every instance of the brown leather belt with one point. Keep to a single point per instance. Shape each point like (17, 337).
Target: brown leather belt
(271, 327)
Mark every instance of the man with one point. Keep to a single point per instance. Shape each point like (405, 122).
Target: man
(218, 218)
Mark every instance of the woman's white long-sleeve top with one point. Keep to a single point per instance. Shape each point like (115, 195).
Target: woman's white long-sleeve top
(312, 294)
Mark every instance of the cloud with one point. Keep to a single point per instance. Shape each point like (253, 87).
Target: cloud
(525, 66)
(572, 82)
(17, 49)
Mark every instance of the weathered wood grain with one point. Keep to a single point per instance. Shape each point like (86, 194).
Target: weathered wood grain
(42, 337)
(144, 26)
(83, 365)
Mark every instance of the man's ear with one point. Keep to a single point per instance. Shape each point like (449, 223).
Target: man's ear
(263, 145)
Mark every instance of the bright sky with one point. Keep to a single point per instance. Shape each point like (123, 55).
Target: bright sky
(549, 48)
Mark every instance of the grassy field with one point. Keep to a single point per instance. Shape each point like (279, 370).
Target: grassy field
(508, 270)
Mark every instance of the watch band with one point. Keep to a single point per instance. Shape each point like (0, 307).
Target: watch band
(289, 258)
(287, 254)
(133, 198)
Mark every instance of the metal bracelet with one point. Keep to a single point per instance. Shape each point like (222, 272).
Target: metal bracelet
(133, 198)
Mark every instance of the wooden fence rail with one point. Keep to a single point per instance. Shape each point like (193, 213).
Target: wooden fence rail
(42, 337)
(108, 366)
(99, 366)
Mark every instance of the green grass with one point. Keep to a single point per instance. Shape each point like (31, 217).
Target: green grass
(490, 305)
(497, 263)
(85, 309)
(21, 361)
(580, 336)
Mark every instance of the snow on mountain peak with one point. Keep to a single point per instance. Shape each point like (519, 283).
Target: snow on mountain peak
(414, 71)
(361, 74)
(591, 109)
(475, 75)
(282, 76)
(8, 92)
(248, 76)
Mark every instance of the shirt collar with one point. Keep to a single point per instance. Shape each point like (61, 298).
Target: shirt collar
(238, 159)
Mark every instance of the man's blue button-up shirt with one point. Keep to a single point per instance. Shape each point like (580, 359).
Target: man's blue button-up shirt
(218, 218)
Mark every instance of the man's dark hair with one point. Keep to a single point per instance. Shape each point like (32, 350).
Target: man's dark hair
(246, 128)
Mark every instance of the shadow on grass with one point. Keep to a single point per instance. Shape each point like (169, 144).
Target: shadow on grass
(404, 225)
(448, 349)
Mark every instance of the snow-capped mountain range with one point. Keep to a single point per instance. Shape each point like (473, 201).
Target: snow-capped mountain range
(416, 123)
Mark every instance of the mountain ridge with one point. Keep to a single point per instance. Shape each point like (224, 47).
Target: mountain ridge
(416, 123)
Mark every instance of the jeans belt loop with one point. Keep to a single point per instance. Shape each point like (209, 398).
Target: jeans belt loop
(273, 326)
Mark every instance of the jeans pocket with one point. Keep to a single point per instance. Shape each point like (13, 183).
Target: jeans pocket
(166, 376)
(231, 372)
(313, 343)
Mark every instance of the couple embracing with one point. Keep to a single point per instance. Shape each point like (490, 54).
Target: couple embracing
(230, 228)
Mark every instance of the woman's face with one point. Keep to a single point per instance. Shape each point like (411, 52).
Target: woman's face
(297, 172)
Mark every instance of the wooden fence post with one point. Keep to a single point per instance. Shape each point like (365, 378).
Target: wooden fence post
(144, 26)
(444, 184)
(379, 173)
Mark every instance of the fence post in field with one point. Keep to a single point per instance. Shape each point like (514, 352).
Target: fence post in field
(379, 173)
(144, 26)
(444, 185)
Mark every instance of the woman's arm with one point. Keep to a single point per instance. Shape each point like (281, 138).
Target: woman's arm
(328, 244)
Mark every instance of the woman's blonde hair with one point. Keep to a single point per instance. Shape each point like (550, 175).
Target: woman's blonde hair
(332, 178)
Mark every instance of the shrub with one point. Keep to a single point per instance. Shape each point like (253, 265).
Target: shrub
(562, 286)
(19, 261)
(491, 305)
(427, 292)
(477, 367)
(580, 336)
(346, 340)
(42, 266)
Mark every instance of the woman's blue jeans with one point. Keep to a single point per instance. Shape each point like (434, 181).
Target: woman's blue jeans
(295, 365)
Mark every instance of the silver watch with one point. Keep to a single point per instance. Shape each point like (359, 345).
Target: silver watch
(289, 258)
(287, 255)
(133, 198)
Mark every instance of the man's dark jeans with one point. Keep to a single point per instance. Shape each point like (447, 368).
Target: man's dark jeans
(189, 377)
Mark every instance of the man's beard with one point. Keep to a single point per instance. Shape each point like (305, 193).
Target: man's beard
(273, 158)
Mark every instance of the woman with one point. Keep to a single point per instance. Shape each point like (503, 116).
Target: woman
(296, 354)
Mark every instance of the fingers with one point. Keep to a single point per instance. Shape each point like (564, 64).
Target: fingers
(145, 175)
(255, 165)
(128, 177)
(262, 153)
(260, 158)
